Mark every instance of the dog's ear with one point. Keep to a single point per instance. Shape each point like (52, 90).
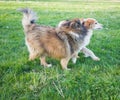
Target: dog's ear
(82, 20)
(75, 24)
(24, 10)
(67, 24)
(78, 22)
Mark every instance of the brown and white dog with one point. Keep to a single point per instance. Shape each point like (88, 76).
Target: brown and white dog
(90, 24)
(42, 41)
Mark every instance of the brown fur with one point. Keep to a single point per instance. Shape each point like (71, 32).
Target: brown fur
(88, 24)
(45, 41)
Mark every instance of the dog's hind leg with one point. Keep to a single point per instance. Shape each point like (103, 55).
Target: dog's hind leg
(64, 63)
(33, 54)
(43, 62)
(32, 57)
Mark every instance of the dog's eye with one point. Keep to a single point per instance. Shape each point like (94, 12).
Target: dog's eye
(95, 23)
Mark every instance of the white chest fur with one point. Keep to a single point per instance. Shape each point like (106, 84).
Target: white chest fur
(88, 37)
(28, 46)
(86, 40)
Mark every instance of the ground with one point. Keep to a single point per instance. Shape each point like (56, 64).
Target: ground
(21, 79)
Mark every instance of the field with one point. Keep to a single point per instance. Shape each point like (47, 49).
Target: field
(21, 79)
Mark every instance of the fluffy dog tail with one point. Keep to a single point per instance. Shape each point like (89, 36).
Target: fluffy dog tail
(29, 18)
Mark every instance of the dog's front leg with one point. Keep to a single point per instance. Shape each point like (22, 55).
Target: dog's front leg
(74, 57)
(88, 53)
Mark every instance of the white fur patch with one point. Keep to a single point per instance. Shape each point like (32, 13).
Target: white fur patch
(29, 48)
(86, 40)
(88, 37)
(61, 23)
(74, 59)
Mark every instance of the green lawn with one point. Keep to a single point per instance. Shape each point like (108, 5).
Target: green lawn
(21, 79)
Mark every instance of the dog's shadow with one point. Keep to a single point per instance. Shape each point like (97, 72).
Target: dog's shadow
(36, 66)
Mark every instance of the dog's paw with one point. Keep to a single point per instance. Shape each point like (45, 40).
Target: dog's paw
(30, 59)
(49, 65)
(96, 58)
(74, 60)
(67, 69)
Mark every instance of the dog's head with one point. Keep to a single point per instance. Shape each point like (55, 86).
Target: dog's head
(72, 26)
(91, 24)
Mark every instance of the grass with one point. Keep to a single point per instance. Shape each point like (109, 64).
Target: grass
(21, 79)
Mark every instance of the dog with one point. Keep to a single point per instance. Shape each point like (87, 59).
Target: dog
(90, 24)
(43, 41)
